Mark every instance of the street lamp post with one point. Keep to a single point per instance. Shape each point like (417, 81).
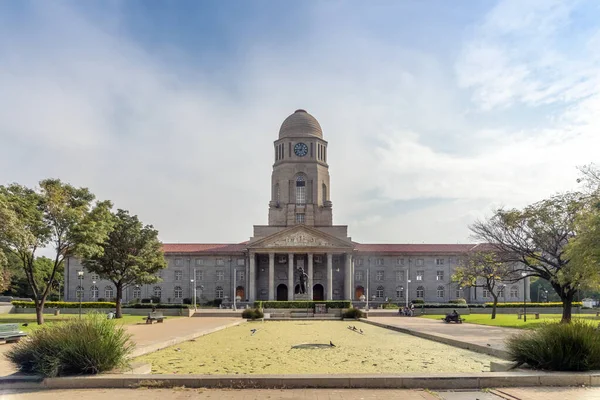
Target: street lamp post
(194, 286)
(524, 274)
(367, 296)
(234, 289)
(80, 291)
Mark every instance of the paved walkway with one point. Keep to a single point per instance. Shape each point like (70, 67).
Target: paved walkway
(306, 394)
(470, 334)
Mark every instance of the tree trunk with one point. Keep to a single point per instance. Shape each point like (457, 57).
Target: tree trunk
(39, 312)
(567, 307)
(494, 306)
(119, 297)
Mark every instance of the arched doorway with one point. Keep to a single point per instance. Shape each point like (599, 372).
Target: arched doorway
(318, 292)
(282, 292)
(239, 291)
(359, 292)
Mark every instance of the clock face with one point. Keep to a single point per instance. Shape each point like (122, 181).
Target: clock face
(301, 149)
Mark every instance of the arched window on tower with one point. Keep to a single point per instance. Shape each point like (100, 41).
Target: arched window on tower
(324, 188)
(300, 190)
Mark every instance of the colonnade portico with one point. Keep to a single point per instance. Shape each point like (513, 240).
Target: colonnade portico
(295, 259)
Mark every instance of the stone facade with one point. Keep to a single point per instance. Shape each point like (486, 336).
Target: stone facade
(300, 239)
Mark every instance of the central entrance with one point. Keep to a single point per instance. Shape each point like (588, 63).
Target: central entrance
(282, 292)
(318, 292)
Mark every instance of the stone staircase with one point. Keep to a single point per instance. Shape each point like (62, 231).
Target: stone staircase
(286, 315)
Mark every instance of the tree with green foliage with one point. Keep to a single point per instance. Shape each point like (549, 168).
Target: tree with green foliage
(55, 216)
(132, 254)
(535, 238)
(484, 269)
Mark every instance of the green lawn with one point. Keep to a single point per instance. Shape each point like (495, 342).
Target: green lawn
(30, 319)
(511, 320)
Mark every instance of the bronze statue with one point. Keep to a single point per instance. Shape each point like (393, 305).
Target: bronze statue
(303, 280)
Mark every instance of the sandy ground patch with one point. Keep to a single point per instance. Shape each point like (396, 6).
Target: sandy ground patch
(270, 350)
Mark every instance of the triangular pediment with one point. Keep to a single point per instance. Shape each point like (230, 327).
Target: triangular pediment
(301, 236)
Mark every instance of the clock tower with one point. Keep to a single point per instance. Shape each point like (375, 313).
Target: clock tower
(300, 180)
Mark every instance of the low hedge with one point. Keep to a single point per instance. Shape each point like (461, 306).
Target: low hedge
(163, 306)
(66, 304)
(458, 301)
(92, 304)
(302, 304)
(544, 305)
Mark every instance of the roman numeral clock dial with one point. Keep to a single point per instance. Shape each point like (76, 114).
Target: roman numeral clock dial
(301, 149)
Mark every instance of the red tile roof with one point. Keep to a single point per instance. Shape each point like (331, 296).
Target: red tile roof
(203, 247)
(364, 248)
(414, 248)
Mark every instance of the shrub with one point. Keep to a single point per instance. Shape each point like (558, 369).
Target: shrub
(146, 301)
(252, 313)
(101, 299)
(155, 299)
(354, 313)
(544, 305)
(390, 306)
(558, 347)
(89, 345)
(418, 301)
(163, 306)
(214, 303)
(458, 301)
(302, 304)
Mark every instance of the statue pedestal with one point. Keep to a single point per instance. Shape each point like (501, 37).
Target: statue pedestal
(301, 297)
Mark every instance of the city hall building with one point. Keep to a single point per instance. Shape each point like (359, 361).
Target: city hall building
(300, 241)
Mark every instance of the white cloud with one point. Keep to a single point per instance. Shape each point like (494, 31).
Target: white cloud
(192, 154)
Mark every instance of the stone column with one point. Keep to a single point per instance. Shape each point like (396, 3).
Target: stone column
(348, 278)
(310, 277)
(252, 278)
(271, 276)
(291, 277)
(329, 276)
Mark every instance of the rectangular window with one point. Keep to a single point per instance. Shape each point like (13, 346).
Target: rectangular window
(199, 275)
(241, 262)
(399, 276)
(299, 218)
(178, 261)
(290, 150)
(439, 261)
(359, 261)
(379, 276)
(459, 293)
(420, 262)
(379, 261)
(318, 259)
(240, 276)
(219, 292)
(486, 293)
(399, 293)
(199, 261)
(311, 150)
(358, 276)
(95, 277)
(400, 261)
(282, 259)
(220, 275)
(379, 292)
(178, 275)
(420, 275)
(439, 276)
(220, 261)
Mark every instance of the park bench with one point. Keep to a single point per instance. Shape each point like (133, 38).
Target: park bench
(536, 314)
(453, 318)
(154, 316)
(11, 333)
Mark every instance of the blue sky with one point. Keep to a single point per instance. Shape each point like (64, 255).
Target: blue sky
(435, 111)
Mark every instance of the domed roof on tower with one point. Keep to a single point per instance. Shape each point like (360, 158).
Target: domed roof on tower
(300, 124)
